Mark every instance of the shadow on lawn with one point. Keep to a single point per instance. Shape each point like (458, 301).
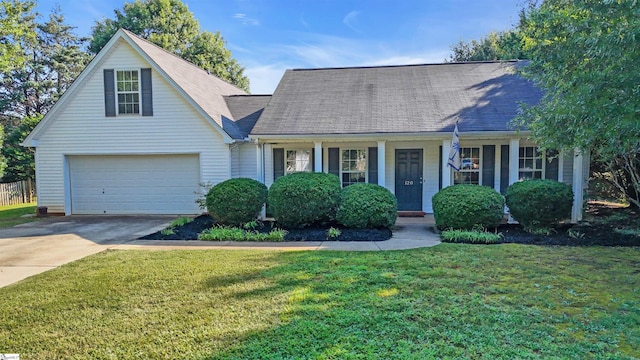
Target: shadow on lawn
(490, 302)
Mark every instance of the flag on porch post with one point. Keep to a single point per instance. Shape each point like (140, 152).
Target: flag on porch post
(454, 153)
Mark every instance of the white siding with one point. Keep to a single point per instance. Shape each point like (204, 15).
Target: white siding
(81, 128)
(567, 167)
(243, 161)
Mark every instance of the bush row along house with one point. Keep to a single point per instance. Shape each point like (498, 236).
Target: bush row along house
(141, 130)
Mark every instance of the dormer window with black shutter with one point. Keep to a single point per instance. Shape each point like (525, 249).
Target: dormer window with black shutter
(128, 92)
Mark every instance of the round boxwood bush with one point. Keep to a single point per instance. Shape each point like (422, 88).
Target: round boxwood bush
(236, 201)
(467, 207)
(367, 206)
(539, 204)
(303, 199)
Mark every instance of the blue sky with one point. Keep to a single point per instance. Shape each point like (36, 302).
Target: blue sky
(269, 36)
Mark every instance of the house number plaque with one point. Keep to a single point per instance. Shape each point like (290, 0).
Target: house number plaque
(408, 182)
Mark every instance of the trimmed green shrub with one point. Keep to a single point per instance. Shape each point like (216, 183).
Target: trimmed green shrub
(470, 237)
(236, 201)
(540, 203)
(303, 199)
(467, 206)
(367, 206)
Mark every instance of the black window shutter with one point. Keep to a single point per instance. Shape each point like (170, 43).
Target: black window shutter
(551, 170)
(373, 165)
(440, 168)
(504, 168)
(147, 96)
(334, 161)
(313, 159)
(488, 165)
(109, 93)
(278, 163)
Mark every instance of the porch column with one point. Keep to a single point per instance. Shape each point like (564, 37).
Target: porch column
(576, 211)
(317, 162)
(259, 163)
(381, 157)
(514, 157)
(446, 171)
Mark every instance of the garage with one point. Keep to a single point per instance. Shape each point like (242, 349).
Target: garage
(134, 184)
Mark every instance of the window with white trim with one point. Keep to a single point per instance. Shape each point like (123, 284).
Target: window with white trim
(297, 161)
(128, 91)
(530, 163)
(469, 167)
(354, 166)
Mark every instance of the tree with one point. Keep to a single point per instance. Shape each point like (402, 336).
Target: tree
(505, 45)
(16, 19)
(54, 59)
(170, 25)
(585, 56)
(19, 160)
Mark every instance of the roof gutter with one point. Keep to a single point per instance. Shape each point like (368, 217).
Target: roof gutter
(392, 136)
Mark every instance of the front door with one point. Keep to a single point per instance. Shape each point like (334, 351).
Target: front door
(409, 179)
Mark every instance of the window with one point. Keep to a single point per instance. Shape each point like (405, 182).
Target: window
(354, 166)
(297, 161)
(530, 163)
(469, 167)
(128, 91)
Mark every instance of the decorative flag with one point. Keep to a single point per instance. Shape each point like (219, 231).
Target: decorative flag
(454, 153)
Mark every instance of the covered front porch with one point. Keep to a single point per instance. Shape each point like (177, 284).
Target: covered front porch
(414, 168)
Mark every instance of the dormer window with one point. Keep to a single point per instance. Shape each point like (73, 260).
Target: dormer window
(128, 91)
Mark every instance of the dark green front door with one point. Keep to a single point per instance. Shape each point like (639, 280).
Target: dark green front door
(409, 179)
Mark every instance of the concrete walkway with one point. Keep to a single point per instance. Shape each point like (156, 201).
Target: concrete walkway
(33, 248)
(408, 233)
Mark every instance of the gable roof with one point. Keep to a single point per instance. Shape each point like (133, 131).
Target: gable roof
(483, 96)
(205, 92)
(245, 111)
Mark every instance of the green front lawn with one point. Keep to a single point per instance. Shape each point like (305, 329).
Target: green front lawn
(451, 301)
(12, 215)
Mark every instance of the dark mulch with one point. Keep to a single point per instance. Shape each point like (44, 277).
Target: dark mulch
(191, 230)
(600, 235)
(599, 229)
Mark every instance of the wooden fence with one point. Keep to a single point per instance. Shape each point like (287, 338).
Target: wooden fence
(20, 192)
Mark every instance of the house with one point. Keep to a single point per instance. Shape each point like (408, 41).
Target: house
(141, 129)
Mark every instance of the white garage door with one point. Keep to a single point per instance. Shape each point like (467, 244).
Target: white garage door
(154, 184)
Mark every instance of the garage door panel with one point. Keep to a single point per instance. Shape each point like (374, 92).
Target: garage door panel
(154, 184)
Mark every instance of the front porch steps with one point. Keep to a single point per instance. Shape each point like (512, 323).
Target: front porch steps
(411, 214)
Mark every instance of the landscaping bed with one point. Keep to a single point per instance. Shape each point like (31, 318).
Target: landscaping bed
(191, 230)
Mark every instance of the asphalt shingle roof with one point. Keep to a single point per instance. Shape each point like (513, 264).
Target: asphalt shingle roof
(206, 90)
(245, 111)
(483, 96)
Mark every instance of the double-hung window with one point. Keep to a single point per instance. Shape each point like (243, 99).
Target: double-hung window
(297, 161)
(530, 163)
(128, 91)
(354, 166)
(469, 167)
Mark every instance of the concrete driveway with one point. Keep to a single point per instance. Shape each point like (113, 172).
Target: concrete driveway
(32, 248)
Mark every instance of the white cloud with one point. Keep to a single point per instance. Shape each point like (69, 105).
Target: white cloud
(265, 78)
(350, 20)
(246, 20)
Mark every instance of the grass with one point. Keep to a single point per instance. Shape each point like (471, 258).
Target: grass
(451, 301)
(12, 215)
(470, 237)
(230, 233)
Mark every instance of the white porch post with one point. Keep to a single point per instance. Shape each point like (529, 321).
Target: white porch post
(381, 162)
(514, 165)
(317, 162)
(576, 211)
(514, 155)
(259, 163)
(446, 171)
